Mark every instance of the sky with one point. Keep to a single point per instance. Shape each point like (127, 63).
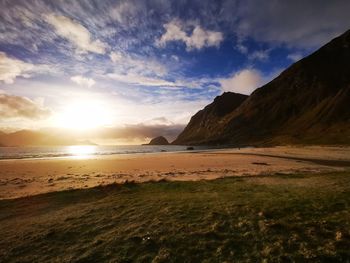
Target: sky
(145, 67)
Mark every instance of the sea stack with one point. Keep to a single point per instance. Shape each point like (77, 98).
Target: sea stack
(160, 140)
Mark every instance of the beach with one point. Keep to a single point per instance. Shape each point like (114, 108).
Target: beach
(27, 177)
(251, 204)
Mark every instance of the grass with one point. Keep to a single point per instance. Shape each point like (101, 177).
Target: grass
(281, 218)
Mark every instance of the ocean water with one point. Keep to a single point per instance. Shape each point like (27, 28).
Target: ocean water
(84, 150)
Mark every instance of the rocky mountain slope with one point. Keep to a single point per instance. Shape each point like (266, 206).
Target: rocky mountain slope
(308, 103)
(204, 123)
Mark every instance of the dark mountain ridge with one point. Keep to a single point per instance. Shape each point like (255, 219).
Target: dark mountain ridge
(308, 103)
(204, 123)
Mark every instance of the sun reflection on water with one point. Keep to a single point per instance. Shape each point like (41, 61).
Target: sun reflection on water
(81, 151)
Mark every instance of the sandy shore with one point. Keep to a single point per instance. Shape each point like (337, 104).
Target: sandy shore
(20, 178)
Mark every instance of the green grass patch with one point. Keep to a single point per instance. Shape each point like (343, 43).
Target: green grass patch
(278, 218)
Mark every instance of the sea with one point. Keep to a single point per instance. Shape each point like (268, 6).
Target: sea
(86, 150)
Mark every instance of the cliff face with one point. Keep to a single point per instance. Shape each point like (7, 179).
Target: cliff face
(307, 103)
(204, 123)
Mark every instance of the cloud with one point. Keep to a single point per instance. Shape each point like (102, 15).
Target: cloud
(179, 83)
(145, 66)
(174, 57)
(247, 80)
(143, 131)
(197, 39)
(244, 81)
(123, 11)
(21, 107)
(261, 55)
(129, 23)
(148, 72)
(295, 57)
(76, 34)
(83, 81)
(241, 48)
(160, 121)
(116, 56)
(141, 80)
(76, 29)
(304, 24)
(10, 68)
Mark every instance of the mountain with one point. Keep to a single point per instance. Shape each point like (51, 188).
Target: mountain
(308, 103)
(204, 123)
(37, 138)
(160, 140)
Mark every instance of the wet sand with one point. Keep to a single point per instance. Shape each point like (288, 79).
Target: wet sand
(27, 177)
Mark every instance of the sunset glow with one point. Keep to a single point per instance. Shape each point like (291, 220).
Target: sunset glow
(128, 71)
(83, 115)
(174, 131)
(81, 151)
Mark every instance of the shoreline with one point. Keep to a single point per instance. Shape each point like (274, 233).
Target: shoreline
(238, 150)
(96, 155)
(26, 177)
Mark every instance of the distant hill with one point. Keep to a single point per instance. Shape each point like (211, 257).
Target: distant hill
(160, 140)
(308, 103)
(37, 138)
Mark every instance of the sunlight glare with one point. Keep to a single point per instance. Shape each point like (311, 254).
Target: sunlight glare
(81, 150)
(84, 114)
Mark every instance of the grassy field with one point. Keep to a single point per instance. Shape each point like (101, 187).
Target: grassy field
(280, 218)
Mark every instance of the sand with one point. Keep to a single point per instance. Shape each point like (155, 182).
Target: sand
(25, 177)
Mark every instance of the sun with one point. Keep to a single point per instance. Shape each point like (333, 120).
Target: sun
(84, 115)
(81, 151)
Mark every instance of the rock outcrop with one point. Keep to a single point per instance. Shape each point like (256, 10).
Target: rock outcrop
(160, 140)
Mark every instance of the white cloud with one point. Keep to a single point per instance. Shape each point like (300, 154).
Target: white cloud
(241, 48)
(261, 55)
(116, 56)
(197, 39)
(83, 81)
(123, 11)
(244, 81)
(10, 68)
(295, 57)
(76, 34)
(128, 64)
(141, 80)
(12, 106)
(159, 121)
(174, 57)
